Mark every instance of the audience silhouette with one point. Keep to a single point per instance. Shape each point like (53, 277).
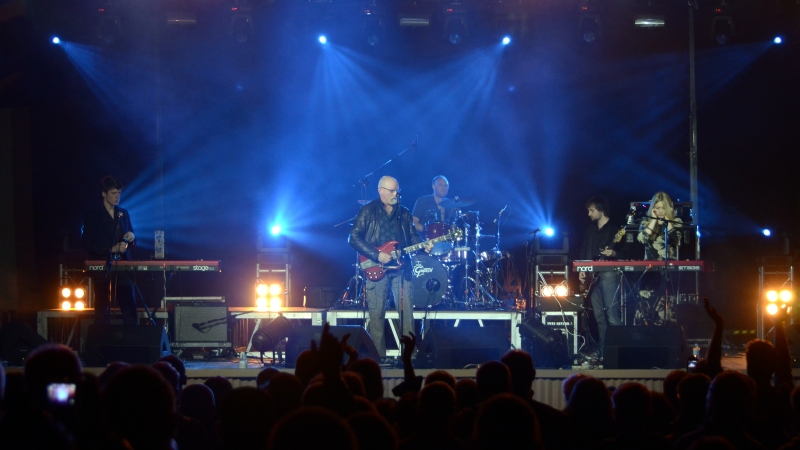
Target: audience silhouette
(327, 405)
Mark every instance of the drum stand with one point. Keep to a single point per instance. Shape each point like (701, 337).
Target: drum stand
(353, 294)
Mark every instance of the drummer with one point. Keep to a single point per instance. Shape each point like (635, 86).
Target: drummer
(427, 208)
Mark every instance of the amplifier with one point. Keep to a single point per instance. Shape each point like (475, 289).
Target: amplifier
(565, 323)
(199, 323)
(169, 302)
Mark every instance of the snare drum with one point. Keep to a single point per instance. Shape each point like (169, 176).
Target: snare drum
(435, 230)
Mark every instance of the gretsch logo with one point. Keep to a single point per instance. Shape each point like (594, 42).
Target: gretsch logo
(420, 270)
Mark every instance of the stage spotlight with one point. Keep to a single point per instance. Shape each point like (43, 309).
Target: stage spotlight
(785, 295)
(777, 40)
(80, 292)
(276, 229)
(275, 304)
(269, 335)
(766, 232)
(547, 291)
(241, 27)
(772, 295)
(373, 40)
(56, 40)
(561, 291)
(262, 289)
(549, 232)
(506, 40)
(455, 38)
(261, 303)
(772, 309)
(722, 29)
(66, 292)
(589, 27)
(79, 305)
(549, 347)
(66, 305)
(275, 289)
(322, 39)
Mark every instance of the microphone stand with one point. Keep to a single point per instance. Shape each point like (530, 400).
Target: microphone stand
(109, 262)
(363, 182)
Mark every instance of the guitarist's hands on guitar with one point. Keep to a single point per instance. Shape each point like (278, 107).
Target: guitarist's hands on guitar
(428, 247)
(384, 258)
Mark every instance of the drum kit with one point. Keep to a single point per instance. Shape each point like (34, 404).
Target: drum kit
(454, 275)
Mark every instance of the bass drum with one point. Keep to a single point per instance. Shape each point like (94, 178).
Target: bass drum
(429, 281)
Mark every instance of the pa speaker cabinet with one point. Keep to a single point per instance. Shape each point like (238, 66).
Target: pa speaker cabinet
(199, 324)
(645, 347)
(300, 339)
(458, 347)
(17, 341)
(127, 343)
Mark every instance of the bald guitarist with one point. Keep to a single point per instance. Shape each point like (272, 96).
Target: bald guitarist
(378, 222)
(600, 242)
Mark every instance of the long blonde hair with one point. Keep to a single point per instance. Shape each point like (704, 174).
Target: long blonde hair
(664, 198)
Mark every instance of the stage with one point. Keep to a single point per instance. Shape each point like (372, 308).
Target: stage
(68, 327)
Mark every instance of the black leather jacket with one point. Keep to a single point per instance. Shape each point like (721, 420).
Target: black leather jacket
(366, 230)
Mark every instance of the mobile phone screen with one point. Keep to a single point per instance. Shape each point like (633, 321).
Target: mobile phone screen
(61, 393)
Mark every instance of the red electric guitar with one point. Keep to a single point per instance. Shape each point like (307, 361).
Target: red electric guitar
(375, 270)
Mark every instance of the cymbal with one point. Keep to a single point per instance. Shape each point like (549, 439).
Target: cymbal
(363, 202)
(456, 202)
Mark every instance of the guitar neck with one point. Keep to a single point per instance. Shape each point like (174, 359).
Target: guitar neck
(415, 247)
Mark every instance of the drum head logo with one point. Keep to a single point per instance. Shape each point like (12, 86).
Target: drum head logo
(420, 270)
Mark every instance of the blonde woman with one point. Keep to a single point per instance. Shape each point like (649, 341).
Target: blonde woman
(651, 231)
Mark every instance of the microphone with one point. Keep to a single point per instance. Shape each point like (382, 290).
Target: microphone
(535, 231)
(500, 214)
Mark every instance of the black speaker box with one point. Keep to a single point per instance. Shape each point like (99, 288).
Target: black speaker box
(16, 342)
(645, 347)
(697, 326)
(199, 324)
(128, 343)
(300, 339)
(458, 347)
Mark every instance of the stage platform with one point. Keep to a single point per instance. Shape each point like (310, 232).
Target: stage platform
(65, 326)
(69, 326)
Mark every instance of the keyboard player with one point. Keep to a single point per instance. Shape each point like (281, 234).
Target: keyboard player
(655, 305)
(598, 243)
(107, 235)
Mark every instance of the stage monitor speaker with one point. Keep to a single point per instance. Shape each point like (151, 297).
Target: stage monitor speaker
(16, 342)
(300, 339)
(199, 324)
(645, 347)
(127, 343)
(458, 347)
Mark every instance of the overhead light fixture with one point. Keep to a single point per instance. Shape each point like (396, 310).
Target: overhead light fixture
(414, 20)
(649, 21)
(241, 27)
